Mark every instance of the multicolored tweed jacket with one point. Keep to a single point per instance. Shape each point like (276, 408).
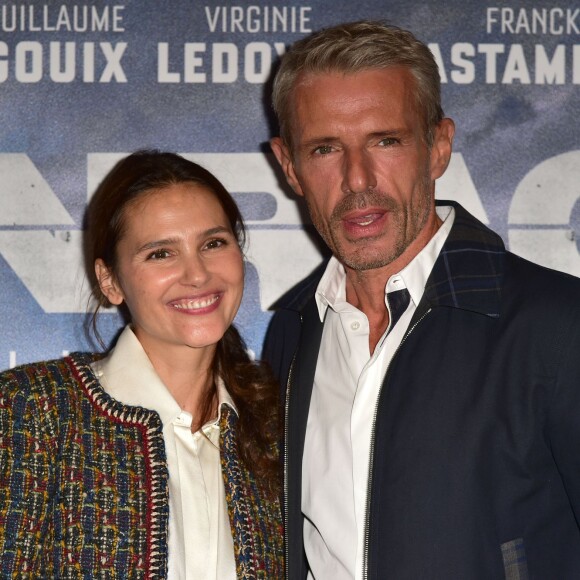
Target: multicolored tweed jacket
(83, 483)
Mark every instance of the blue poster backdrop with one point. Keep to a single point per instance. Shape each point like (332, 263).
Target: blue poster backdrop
(82, 84)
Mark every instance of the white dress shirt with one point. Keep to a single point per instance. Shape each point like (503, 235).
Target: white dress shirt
(346, 387)
(200, 544)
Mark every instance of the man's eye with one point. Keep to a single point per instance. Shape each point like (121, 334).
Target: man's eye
(158, 255)
(388, 141)
(323, 150)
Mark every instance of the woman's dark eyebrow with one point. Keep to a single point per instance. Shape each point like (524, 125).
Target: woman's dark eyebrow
(157, 244)
(169, 241)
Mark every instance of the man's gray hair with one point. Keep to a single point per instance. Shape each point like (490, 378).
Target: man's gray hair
(355, 47)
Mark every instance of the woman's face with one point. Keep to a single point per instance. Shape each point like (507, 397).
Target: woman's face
(179, 269)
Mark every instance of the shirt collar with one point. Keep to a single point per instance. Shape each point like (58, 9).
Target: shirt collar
(128, 375)
(224, 398)
(331, 290)
(416, 273)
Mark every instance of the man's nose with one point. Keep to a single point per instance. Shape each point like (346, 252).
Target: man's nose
(358, 172)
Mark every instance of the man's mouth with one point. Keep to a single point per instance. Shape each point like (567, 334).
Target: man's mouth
(365, 220)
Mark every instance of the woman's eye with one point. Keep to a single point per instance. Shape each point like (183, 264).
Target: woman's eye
(215, 243)
(158, 255)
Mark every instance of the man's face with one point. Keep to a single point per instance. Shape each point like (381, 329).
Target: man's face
(360, 160)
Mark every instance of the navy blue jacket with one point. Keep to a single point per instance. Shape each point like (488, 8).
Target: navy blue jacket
(475, 472)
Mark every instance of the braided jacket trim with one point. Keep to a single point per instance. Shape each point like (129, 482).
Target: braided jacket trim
(150, 425)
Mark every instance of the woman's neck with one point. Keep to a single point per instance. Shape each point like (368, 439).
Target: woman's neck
(187, 373)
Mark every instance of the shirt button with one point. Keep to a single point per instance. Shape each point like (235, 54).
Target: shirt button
(355, 325)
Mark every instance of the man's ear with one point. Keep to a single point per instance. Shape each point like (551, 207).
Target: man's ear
(442, 147)
(108, 283)
(284, 157)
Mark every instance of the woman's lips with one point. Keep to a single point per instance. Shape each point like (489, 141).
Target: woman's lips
(196, 304)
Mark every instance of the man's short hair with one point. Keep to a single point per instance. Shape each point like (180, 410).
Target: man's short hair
(355, 47)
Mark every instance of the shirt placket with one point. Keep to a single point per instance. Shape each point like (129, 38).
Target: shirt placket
(193, 495)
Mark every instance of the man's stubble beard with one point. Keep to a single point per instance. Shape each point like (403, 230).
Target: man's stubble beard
(406, 225)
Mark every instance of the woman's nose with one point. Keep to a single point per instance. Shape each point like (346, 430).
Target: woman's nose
(195, 271)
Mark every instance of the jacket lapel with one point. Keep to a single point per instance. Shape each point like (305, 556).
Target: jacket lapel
(299, 393)
(254, 516)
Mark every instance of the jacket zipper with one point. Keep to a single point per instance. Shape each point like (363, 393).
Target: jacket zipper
(366, 541)
(286, 415)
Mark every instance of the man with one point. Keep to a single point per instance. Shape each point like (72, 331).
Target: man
(433, 378)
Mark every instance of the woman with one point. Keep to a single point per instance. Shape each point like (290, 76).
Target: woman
(158, 460)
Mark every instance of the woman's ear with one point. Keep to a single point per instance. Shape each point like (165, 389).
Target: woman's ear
(108, 283)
